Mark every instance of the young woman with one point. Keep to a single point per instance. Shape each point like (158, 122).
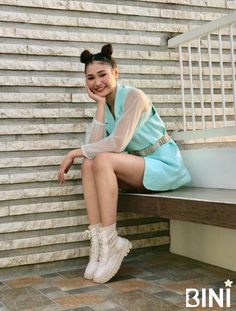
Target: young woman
(126, 147)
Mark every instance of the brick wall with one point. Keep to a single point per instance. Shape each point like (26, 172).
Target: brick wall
(44, 110)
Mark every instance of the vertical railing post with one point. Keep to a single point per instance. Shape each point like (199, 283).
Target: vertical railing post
(182, 87)
(191, 85)
(201, 83)
(211, 80)
(222, 77)
(233, 69)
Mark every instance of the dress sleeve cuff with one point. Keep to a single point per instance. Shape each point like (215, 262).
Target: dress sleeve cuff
(98, 122)
(90, 157)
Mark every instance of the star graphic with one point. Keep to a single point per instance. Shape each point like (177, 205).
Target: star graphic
(228, 283)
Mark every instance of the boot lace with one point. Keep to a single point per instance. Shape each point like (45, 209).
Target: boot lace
(103, 245)
(92, 236)
(86, 235)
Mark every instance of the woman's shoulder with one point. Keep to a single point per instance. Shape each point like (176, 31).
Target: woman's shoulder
(137, 97)
(131, 90)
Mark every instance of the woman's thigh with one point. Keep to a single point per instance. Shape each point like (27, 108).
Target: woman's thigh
(129, 169)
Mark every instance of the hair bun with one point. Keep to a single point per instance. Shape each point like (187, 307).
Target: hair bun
(85, 56)
(107, 50)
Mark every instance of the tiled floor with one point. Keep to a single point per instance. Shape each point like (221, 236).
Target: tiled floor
(147, 281)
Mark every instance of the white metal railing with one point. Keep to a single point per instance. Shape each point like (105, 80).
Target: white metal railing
(207, 69)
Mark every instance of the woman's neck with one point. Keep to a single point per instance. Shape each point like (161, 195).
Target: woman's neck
(110, 99)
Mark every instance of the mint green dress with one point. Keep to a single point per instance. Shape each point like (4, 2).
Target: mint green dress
(135, 125)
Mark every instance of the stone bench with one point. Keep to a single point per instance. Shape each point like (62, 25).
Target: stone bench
(215, 207)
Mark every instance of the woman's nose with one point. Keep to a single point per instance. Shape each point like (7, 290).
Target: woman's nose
(97, 81)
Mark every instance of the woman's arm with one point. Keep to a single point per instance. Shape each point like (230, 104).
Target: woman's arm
(94, 133)
(96, 129)
(67, 163)
(135, 104)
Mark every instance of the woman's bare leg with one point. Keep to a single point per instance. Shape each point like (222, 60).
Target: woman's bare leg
(107, 169)
(90, 193)
(100, 177)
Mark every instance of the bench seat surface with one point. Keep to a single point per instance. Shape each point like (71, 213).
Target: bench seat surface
(215, 207)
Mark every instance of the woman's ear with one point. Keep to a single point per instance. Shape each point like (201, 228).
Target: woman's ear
(116, 72)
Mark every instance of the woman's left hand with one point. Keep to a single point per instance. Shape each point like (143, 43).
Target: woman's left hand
(67, 163)
(64, 168)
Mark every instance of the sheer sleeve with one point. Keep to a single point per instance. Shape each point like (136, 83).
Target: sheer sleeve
(135, 104)
(94, 132)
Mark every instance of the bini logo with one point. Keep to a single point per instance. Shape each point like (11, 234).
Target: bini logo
(208, 297)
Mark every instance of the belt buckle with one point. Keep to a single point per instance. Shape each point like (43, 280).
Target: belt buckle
(150, 149)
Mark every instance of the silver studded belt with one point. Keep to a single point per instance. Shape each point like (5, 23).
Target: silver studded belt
(150, 149)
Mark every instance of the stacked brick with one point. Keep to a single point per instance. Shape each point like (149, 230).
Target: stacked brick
(44, 110)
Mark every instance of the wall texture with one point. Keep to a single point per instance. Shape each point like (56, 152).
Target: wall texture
(44, 110)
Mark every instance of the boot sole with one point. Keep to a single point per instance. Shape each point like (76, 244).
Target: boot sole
(116, 267)
(88, 277)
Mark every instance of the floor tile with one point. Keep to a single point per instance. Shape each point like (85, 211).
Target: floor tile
(79, 300)
(171, 297)
(180, 286)
(96, 287)
(2, 285)
(26, 297)
(174, 272)
(73, 273)
(49, 307)
(139, 301)
(72, 283)
(121, 277)
(53, 292)
(50, 275)
(2, 307)
(82, 309)
(105, 292)
(48, 282)
(108, 306)
(129, 285)
(24, 282)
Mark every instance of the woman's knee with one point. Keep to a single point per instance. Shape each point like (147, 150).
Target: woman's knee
(86, 166)
(102, 160)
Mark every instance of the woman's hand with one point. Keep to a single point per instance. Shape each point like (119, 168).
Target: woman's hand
(64, 168)
(97, 98)
(67, 163)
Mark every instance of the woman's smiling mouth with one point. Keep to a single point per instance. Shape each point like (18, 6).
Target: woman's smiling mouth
(101, 89)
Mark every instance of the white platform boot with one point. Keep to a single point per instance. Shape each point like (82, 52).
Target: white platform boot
(113, 249)
(92, 266)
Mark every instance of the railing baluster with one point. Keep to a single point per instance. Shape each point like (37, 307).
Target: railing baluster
(222, 77)
(182, 87)
(191, 85)
(215, 86)
(201, 83)
(211, 81)
(233, 69)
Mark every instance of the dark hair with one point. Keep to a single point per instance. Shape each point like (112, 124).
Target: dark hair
(104, 56)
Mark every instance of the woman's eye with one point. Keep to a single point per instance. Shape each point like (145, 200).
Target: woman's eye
(102, 75)
(90, 78)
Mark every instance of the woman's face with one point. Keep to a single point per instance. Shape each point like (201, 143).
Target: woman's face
(101, 78)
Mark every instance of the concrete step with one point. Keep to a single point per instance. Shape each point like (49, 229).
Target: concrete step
(52, 65)
(41, 240)
(111, 8)
(51, 33)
